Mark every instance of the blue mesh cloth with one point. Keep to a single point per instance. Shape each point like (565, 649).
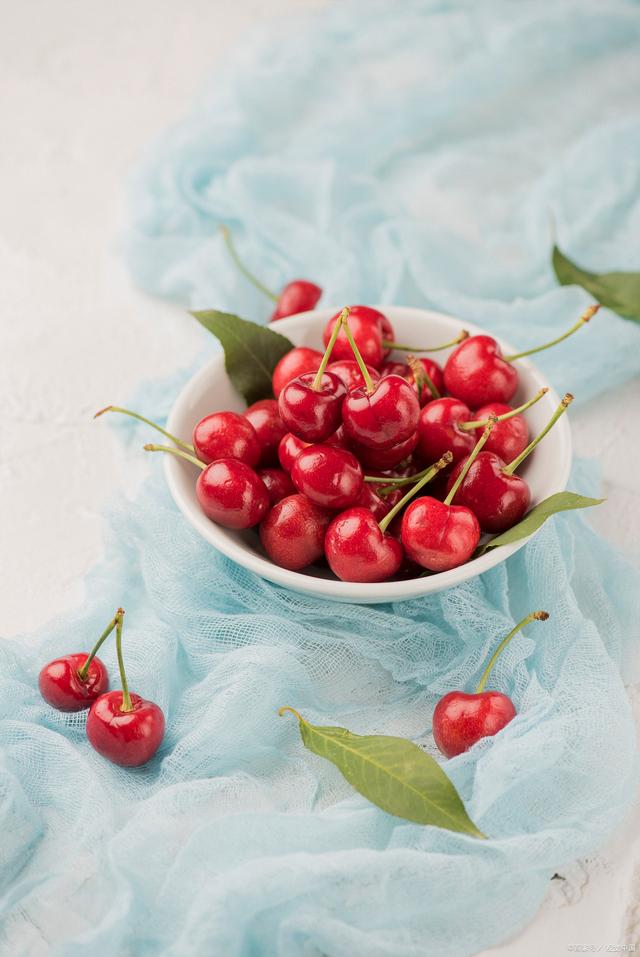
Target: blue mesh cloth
(235, 841)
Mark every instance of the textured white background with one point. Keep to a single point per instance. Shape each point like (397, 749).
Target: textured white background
(85, 86)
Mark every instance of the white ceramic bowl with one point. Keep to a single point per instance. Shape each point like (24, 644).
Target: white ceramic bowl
(546, 471)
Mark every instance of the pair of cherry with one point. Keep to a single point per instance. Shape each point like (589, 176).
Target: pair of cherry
(121, 726)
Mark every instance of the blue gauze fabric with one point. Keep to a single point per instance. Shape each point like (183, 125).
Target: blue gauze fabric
(391, 152)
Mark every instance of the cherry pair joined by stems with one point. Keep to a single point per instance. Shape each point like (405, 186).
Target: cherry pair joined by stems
(476, 372)
(358, 547)
(498, 497)
(121, 726)
(461, 719)
(300, 295)
(439, 535)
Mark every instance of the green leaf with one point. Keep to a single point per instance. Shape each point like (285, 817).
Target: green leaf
(251, 352)
(560, 502)
(393, 773)
(619, 291)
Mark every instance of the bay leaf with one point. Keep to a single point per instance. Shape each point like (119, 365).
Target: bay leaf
(618, 291)
(251, 352)
(393, 773)
(560, 502)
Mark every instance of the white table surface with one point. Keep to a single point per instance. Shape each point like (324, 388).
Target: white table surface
(85, 87)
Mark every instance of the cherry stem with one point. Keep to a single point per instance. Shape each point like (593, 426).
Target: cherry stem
(287, 710)
(472, 457)
(442, 463)
(141, 418)
(84, 670)
(534, 616)
(584, 318)
(562, 408)
(395, 482)
(445, 345)
(479, 424)
(228, 240)
(342, 318)
(421, 376)
(126, 697)
(368, 381)
(183, 455)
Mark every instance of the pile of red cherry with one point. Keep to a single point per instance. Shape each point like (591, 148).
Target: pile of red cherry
(328, 467)
(121, 726)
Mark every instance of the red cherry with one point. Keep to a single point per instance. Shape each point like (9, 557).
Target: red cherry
(339, 439)
(226, 435)
(509, 437)
(365, 327)
(378, 506)
(358, 551)
(329, 476)
(128, 738)
(381, 460)
(439, 430)
(278, 484)
(497, 499)
(293, 532)
(269, 427)
(427, 370)
(63, 688)
(289, 449)
(232, 494)
(477, 373)
(348, 371)
(300, 295)
(294, 363)
(391, 367)
(460, 719)
(312, 412)
(439, 536)
(384, 416)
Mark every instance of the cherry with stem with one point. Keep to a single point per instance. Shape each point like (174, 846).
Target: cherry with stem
(565, 402)
(425, 477)
(422, 378)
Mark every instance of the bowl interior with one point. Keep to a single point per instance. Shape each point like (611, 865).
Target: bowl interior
(546, 471)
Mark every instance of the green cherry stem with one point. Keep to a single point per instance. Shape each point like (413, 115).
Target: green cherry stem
(228, 241)
(534, 616)
(84, 671)
(396, 482)
(445, 345)
(472, 457)
(368, 381)
(342, 319)
(183, 455)
(584, 318)
(141, 418)
(421, 376)
(429, 474)
(469, 426)
(126, 697)
(562, 408)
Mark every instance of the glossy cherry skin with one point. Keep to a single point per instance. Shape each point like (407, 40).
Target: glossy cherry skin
(507, 439)
(127, 738)
(226, 435)
(349, 371)
(269, 427)
(294, 363)
(384, 417)
(300, 295)
(232, 494)
(459, 719)
(497, 499)
(439, 432)
(438, 536)
(293, 532)
(312, 414)
(356, 549)
(391, 367)
(328, 476)
(278, 484)
(289, 449)
(476, 373)
(380, 460)
(379, 506)
(366, 329)
(435, 373)
(61, 685)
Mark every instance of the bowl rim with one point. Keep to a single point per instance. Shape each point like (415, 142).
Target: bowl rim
(336, 590)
